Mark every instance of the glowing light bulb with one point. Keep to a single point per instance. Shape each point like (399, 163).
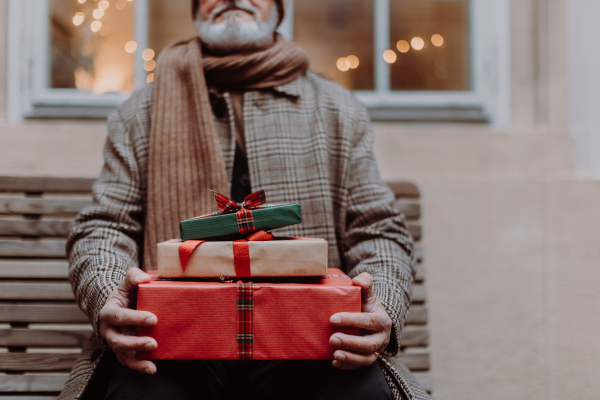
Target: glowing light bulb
(437, 40)
(389, 56)
(352, 61)
(317, 67)
(342, 65)
(417, 43)
(78, 18)
(81, 1)
(150, 65)
(105, 30)
(98, 13)
(103, 5)
(96, 26)
(403, 46)
(130, 46)
(148, 54)
(150, 77)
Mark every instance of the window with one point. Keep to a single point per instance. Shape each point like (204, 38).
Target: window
(405, 59)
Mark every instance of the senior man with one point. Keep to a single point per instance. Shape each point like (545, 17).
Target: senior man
(236, 110)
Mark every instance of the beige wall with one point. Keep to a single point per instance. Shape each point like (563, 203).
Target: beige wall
(510, 231)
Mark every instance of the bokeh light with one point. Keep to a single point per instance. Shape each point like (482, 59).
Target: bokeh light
(390, 56)
(403, 46)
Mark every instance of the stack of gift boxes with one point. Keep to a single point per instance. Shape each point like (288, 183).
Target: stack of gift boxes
(230, 289)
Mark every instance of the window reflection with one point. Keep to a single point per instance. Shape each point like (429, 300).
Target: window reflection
(338, 35)
(431, 41)
(88, 45)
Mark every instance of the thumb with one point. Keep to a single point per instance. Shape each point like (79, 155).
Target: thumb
(134, 277)
(365, 281)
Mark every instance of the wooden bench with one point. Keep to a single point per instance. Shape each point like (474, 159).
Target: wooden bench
(41, 328)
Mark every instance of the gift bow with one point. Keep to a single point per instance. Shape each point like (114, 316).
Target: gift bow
(245, 220)
(241, 251)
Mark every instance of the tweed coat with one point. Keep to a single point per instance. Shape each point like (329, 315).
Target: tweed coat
(308, 142)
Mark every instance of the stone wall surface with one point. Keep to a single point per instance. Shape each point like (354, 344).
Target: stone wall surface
(510, 230)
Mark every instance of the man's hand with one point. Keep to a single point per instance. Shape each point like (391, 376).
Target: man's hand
(376, 326)
(117, 321)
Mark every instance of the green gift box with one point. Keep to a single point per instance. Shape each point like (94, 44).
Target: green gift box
(265, 218)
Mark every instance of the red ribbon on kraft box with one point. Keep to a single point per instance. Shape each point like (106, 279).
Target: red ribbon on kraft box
(241, 251)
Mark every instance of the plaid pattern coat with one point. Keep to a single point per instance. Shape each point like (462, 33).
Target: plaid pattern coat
(308, 142)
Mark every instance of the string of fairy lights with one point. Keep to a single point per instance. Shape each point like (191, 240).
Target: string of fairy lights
(347, 63)
(96, 25)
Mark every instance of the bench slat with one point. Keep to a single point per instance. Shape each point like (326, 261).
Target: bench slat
(37, 361)
(418, 294)
(410, 209)
(70, 313)
(40, 269)
(65, 361)
(415, 336)
(42, 227)
(11, 290)
(52, 248)
(42, 313)
(36, 269)
(415, 231)
(68, 205)
(404, 190)
(419, 276)
(418, 249)
(45, 337)
(32, 383)
(413, 361)
(417, 315)
(424, 380)
(50, 382)
(45, 184)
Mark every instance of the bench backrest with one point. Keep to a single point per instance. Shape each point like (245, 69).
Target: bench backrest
(41, 328)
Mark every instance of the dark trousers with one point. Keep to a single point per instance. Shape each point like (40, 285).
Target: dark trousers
(249, 380)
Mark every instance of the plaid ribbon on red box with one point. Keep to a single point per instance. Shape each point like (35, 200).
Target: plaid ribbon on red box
(245, 220)
(245, 309)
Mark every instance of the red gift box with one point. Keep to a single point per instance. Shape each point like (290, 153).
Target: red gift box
(262, 321)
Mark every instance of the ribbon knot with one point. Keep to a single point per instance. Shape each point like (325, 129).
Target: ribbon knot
(245, 220)
(241, 251)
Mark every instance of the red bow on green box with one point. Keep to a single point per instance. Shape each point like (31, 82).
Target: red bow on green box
(245, 221)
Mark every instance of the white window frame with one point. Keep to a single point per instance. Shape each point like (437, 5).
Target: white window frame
(488, 100)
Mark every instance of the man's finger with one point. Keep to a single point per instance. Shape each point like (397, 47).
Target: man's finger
(362, 344)
(129, 360)
(125, 316)
(369, 321)
(365, 281)
(125, 343)
(343, 365)
(134, 277)
(360, 360)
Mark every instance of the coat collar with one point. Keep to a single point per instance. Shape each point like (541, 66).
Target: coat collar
(292, 89)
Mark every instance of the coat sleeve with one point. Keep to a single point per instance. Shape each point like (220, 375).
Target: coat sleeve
(107, 235)
(376, 239)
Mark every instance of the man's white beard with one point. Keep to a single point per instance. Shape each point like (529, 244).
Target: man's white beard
(235, 35)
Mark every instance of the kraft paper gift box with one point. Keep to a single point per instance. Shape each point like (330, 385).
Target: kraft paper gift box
(266, 320)
(242, 258)
(243, 218)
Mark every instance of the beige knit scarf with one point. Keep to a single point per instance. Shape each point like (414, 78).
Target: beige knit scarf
(185, 157)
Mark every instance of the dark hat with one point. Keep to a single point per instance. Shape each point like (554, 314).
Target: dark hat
(280, 8)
